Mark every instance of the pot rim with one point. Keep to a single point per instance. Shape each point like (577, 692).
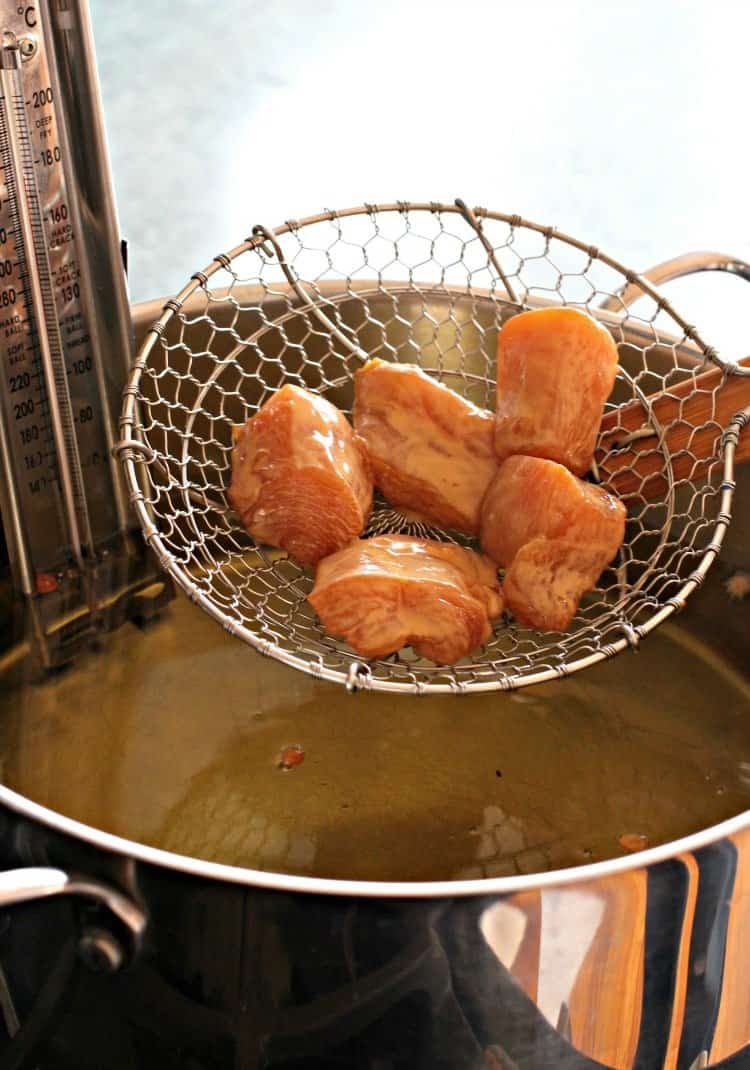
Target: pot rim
(284, 882)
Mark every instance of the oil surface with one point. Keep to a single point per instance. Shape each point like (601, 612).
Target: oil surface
(181, 737)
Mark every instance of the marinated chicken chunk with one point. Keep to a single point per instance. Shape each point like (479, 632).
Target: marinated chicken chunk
(554, 534)
(531, 497)
(544, 585)
(555, 369)
(431, 451)
(300, 476)
(393, 591)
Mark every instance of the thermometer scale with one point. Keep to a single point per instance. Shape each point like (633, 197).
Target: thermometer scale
(75, 565)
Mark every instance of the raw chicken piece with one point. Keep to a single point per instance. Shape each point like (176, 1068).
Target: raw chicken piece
(392, 591)
(431, 451)
(555, 369)
(554, 533)
(300, 476)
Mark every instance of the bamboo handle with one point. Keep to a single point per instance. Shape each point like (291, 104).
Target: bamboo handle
(693, 414)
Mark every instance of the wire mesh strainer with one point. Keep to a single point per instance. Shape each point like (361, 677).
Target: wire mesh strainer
(429, 284)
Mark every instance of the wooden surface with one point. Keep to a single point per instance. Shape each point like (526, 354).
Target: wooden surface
(733, 1022)
(683, 963)
(607, 996)
(693, 415)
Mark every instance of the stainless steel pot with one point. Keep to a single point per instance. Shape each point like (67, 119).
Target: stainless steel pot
(156, 959)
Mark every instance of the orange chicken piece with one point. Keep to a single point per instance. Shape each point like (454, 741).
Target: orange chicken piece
(555, 369)
(300, 476)
(553, 533)
(392, 591)
(431, 451)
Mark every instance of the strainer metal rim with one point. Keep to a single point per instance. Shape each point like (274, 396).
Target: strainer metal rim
(133, 451)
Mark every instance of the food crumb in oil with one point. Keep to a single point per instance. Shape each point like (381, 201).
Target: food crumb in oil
(290, 757)
(46, 583)
(633, 841)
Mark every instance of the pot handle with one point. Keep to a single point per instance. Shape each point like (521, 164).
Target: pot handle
(99, 948)
(677, 268)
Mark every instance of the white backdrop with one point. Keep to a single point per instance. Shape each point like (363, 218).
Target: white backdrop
(622, 122)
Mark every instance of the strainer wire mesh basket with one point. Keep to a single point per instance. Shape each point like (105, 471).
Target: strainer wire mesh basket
(429, 284)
